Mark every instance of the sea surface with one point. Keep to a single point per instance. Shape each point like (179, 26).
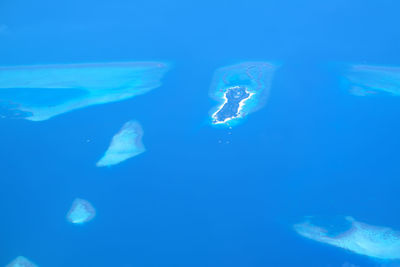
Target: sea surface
(201, 195)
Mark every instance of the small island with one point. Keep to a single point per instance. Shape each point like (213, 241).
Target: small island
(235, 98)
(239, 90)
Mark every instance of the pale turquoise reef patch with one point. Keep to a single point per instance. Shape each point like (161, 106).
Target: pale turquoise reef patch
(361, 238)
(21, 261)
(368, 80)
(127, 143)
(81, 212)
(40, 92)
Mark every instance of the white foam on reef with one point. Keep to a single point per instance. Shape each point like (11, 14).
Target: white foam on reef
(21, 261)
(81, 212)
(127, 143)
(364, 239)
(255, 76)
(367, 80)
(40, 92)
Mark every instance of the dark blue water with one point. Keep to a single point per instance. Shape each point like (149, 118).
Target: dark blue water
(189, 200)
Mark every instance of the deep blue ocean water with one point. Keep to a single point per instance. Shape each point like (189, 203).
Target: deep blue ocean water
(189, 200)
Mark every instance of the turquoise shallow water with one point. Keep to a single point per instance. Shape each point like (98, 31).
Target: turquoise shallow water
(322, 145)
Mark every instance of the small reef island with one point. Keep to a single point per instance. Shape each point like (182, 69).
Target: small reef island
(235, 98)
(239, 89)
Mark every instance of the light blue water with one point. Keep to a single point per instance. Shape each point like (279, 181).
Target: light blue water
(200, 195)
